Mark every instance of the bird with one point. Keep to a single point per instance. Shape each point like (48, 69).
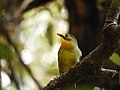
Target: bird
(69, 52)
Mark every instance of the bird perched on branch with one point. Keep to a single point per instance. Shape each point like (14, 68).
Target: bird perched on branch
(69, 53)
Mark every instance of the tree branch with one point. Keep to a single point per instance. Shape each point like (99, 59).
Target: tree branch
(36, 3)
(91, 63)
(4, 32)
(13, 75)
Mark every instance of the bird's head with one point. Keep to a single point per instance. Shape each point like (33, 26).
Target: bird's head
(67, 38)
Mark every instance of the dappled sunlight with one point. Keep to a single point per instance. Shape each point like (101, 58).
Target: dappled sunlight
(5, 79)
(37, 52)
(36, 39)
(27, 56)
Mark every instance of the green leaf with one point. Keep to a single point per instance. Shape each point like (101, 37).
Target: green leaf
(115, 58)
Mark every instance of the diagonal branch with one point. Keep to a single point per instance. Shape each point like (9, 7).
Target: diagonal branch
(4, 32)
(94, 60)
(13, 75)
(36, 3)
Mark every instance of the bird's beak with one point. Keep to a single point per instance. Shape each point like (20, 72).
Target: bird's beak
(60, 35)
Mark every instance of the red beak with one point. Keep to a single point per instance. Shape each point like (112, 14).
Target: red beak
(60, 35)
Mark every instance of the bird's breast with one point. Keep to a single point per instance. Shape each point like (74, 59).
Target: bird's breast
(69, 51)
(68, 55)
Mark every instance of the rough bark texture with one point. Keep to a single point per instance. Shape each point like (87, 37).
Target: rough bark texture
(94, 60)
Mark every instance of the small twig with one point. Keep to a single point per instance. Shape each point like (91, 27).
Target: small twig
(108, 72)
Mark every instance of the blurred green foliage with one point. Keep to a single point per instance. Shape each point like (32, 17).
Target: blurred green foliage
(5, 51)
(36, 40)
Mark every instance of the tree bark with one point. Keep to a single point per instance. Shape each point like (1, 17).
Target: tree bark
(94, 60)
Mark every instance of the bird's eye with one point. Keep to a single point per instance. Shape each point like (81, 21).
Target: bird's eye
(66, 35)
